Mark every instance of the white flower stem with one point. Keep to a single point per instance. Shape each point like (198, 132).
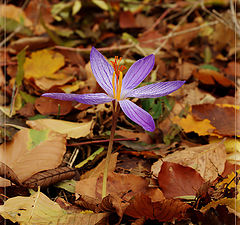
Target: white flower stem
(110, 146)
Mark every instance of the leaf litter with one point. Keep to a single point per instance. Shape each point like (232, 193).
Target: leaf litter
(179, 172)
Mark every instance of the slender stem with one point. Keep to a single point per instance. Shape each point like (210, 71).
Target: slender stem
(110, 146)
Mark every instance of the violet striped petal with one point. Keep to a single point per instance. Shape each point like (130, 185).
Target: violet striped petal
(138, 115)
(102, 70)
(90, 99)
(138, 72)
(155, 90)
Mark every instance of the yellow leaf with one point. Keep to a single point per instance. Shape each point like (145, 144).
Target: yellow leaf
(73, 87)
(44, 63)
(229, 179)
(189, 124)
(231, 144)
(73, 130)
(12, 12)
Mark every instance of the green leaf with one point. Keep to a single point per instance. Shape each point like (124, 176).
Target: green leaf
(38, 116)
(68, 185)
(10, 25)
(90, 158)
(36, 137)
(27, 97)
(208, 66)
(21, 56)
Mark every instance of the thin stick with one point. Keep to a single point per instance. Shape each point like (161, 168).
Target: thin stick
(101, 141)
(109, 151)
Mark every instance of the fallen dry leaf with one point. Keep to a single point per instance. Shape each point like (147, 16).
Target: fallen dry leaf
(44, 63)
(95, 172)
(189, 124)
(126, 185)
(176, 180)
(47, 83)
(233, 69)
(16, 13)
(225, 118)
(127, 20)
(39, 209)
(50, 106)
(208, 160)
(208, 76)
(165, 210)
(31, 151)
(71, 129)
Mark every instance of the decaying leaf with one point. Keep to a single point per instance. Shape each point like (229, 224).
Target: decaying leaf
(189, 124)
(207, 160)
(39, 209)
(50, 106)
(71, 129)
(207, 76)
(166, 210)
(176, 180)
(16, 13)
(31, 151)
(8, 173)
(44, 63)
(49, 177)
(221, 116)
(126, 185)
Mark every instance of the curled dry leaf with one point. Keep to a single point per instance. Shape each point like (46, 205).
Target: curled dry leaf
(8, 173)
(177, 180)
(49, 177)
(50, 106)
(71, 129)
(165, 210)
(207, 160)
(32, 151)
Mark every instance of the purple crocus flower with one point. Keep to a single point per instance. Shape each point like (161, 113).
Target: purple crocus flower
(120, 88)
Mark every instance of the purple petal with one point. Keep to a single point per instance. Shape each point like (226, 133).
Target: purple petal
(90, 99)
(138, 72)
(102, 70)
(155, 90)
(138, 115)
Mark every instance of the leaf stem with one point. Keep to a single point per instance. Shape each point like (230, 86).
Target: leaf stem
(110, 146)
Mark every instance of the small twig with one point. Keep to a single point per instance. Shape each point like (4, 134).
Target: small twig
(101, 141)
(175, 28)
(105, 49)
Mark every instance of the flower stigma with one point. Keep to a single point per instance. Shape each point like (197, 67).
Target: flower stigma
(118, 75)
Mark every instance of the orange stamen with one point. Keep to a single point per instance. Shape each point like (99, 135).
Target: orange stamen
(119, 76)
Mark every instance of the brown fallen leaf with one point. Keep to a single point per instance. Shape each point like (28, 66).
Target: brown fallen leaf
(127, 20)
(125, 185)
(49, 177)
(31, 151)
(50, 106)
(46, 83)
(166, 210)
(7, 173)
(233, 69)
(177, 180)
(208, 76)
(208, 160)
(225, 118)
(27, 110)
